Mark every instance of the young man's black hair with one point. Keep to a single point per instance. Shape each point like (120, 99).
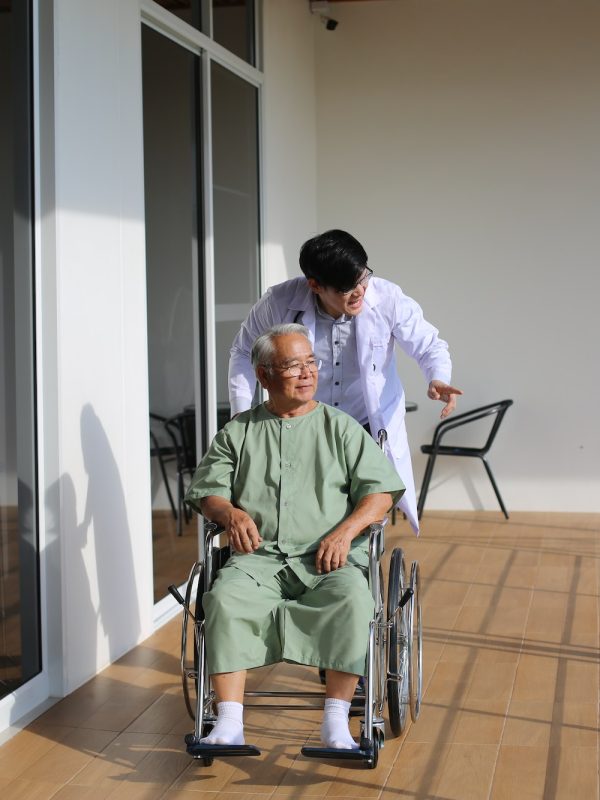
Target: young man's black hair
(334, 258)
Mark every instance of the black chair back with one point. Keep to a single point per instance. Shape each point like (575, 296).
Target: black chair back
(436, 448)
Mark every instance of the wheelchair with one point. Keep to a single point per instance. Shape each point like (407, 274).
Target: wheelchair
(394, 664)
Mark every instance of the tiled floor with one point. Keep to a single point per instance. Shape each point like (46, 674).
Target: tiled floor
(510, 708)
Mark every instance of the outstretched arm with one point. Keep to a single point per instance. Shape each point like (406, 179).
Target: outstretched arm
(239, 526)
(333, 550)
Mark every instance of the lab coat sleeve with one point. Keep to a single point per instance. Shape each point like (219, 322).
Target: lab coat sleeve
(242, 379)
(419, 339)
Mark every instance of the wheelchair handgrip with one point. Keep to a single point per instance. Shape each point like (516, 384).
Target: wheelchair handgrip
(405, 598)
(175, 592)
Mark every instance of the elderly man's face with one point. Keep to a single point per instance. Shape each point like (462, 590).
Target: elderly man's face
(292, 352)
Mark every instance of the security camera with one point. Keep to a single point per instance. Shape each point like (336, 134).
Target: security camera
(321, 7)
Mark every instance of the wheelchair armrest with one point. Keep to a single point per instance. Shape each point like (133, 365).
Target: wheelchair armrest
(376, 540)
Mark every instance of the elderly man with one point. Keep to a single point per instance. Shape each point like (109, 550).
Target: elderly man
(294, 483)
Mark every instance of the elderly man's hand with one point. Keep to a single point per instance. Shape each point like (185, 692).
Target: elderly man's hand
(333, 551)
(242, 532)
(438, 390)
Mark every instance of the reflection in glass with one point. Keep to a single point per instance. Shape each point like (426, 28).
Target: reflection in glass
(233, 26)
(236, 212)
(189, 11)
(20, 655)
(171, 170)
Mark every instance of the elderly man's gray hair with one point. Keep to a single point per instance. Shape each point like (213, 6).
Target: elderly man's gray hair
(263, 348)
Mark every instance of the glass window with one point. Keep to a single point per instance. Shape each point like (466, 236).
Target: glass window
(233, 26)
(189, 11)
(236, 212)
(172, 147)
(20, 654)
(233, 22)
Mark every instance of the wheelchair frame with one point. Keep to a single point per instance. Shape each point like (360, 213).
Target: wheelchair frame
(394, 658)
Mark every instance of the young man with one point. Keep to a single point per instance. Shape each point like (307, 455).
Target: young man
(354, 320)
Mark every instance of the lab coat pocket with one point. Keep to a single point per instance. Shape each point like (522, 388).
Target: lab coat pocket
(379, 348)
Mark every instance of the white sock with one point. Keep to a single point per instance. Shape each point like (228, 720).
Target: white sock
(229, 727)
(334, 728)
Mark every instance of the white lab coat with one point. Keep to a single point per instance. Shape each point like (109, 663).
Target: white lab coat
(387, 316)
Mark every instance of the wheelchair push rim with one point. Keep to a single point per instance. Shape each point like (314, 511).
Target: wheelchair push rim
(415, 664)
(189, 667)
(398, 645)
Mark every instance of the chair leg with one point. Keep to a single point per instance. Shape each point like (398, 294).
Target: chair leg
(425, 485)
(179, 503)
(491, 477)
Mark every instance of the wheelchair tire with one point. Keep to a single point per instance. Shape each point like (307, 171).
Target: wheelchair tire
(398, 692)
(415, 661)
(189, 652)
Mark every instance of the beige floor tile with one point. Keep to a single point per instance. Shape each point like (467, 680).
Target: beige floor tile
(492, 681)
(71, 755)
(546, 626)
(19, 753)
(468, 771)
(444, 593)
(196, 776)
(577, 680)
(191, 794)
(480, 722)
(416, 772)
(439, 620)
(74, 792)
(554, 579)
(575, 725)
(536, 678)
(436, 723)
(449, 683)
(28, 789)
(118, 759)
(140, 790)
(520, 773)
(573, 772)
(529, 722)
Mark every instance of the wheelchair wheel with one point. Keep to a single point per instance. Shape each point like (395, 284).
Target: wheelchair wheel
(398, 690)
(189, 652)
(415, 659)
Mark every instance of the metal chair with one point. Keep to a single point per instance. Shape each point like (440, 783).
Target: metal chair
(436, 448)
(182, 430)
(164, 454)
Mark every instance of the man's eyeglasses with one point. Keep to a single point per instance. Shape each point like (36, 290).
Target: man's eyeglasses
(295, 369)
(364, 282)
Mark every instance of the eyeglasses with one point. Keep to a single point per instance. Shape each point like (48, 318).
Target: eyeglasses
(364, 282)
(295, 369)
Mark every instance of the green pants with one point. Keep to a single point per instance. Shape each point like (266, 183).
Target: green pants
(249, 625)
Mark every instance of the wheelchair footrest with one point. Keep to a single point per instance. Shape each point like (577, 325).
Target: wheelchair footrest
(199, 749)
(338, 753)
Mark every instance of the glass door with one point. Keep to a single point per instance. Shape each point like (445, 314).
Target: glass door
(201, 162)
(20, 632)
(172, 166)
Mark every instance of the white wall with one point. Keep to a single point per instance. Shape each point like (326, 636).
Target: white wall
(94, 434)
(459, 142)
(289, 135)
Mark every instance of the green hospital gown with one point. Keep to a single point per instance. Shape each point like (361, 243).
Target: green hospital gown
(298, 478)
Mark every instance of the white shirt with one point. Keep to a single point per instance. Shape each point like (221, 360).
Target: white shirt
(339, 377)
